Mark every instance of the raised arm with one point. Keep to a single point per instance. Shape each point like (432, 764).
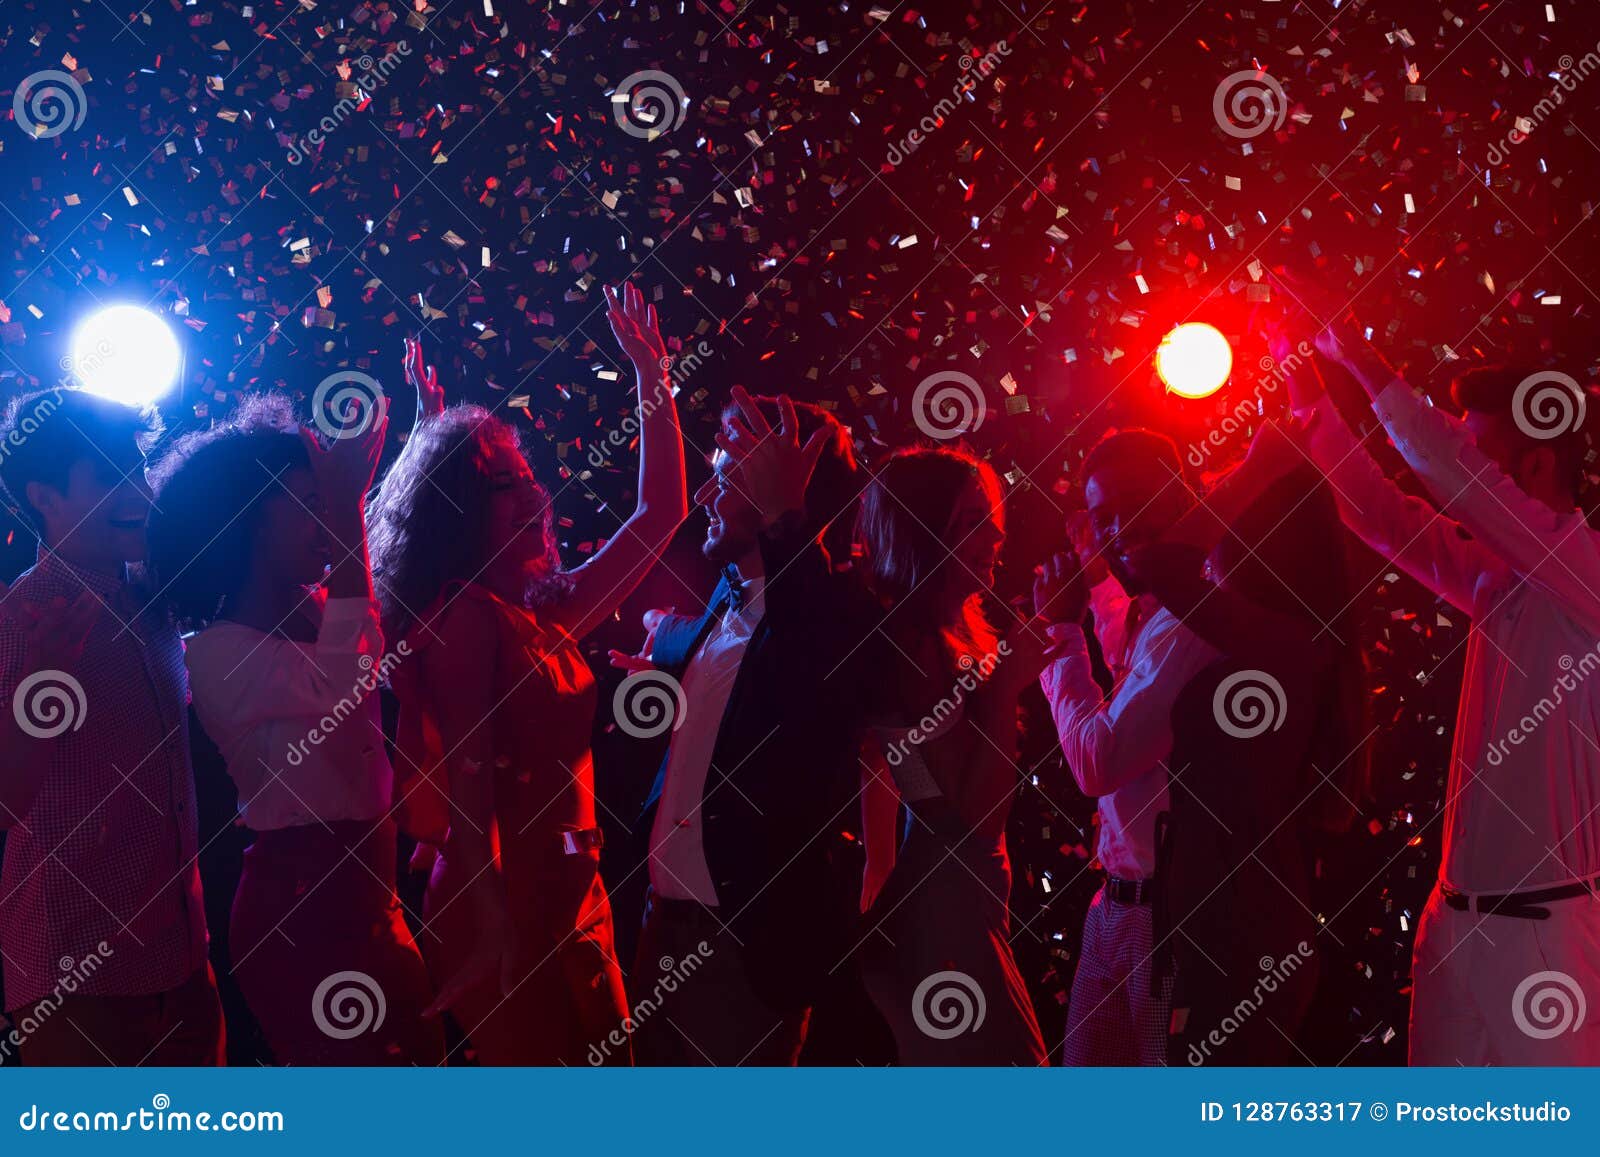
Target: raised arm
(601, 585)
(1401, 527)
(1555, 550)
(1229, 622)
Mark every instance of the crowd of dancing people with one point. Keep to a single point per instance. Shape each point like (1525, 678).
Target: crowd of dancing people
(841, 765)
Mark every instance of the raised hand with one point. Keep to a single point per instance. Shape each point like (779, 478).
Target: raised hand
(344, 470)
(634, 324)
(771, 466)
(642, 661)
(424, 378)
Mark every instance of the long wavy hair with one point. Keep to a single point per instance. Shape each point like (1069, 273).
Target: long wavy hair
(1289, 553)
(428, 523)
(904, 511)
(210, 489)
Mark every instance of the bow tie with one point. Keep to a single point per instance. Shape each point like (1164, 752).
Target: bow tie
(730, 574)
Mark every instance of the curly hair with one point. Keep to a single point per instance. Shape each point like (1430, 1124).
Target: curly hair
(209, 492)
(427, 524)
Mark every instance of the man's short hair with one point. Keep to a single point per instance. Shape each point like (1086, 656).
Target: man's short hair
(46, 432)
(1492, 390)
(835, 487)
(1134, 449)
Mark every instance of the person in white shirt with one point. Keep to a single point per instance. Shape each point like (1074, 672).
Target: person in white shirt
(285, 672)
(1506, 966)
(750, 849)
(1135, 492)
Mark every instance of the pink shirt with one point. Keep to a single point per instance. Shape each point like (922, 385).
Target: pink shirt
(1117, 751)
(1522, 806)
(106, 856)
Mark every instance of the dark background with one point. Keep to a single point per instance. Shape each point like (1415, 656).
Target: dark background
(1009, 246)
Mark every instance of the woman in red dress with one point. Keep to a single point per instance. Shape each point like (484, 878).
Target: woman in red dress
(496, 708)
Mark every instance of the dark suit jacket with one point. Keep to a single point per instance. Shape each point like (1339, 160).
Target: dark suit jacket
(782, 806)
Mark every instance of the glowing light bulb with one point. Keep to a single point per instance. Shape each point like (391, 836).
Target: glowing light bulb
(1194, 360)
(125, 353)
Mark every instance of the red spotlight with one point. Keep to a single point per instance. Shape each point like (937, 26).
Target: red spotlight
(1194, 360)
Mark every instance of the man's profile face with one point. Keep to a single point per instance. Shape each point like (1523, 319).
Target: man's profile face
(1132, 505)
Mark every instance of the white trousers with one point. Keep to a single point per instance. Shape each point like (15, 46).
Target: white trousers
(1504, 990)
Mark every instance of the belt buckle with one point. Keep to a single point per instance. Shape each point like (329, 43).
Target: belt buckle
(576, 843)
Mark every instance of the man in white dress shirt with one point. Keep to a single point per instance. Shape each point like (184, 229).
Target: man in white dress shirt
(1116, 750)
(751, 877)
(1506, 967)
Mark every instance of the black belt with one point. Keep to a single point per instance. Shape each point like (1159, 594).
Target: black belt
(1130, 891)
(1522, 905)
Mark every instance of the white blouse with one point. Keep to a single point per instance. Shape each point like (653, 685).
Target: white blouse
(298, 723)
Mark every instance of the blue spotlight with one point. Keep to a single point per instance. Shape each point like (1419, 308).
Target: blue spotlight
(126, 353)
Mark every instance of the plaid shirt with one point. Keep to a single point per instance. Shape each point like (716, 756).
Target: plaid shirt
(108, 850)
